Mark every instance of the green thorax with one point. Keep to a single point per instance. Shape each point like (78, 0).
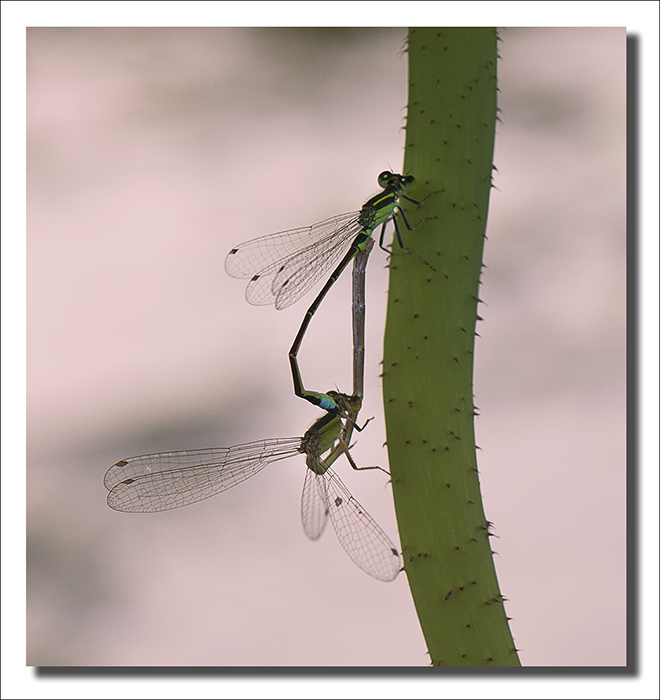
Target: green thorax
(380, 207)
(320, 437)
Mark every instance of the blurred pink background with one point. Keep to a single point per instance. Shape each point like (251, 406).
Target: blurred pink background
(151, 152)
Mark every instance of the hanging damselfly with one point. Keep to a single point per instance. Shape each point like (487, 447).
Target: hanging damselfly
(283, 266)
(167, 480)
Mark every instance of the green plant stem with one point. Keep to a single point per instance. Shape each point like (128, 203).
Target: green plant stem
(429, 350)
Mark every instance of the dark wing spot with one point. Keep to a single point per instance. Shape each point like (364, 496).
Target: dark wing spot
(128, 481)
(338, 501)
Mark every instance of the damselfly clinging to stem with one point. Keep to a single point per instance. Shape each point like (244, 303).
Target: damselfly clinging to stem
(167, 480)
(283, 266)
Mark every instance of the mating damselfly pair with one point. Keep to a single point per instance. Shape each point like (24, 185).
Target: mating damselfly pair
(281, 268)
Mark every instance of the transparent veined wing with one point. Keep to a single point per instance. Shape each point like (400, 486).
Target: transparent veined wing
(283, 266)
(313, 505)
(360, 535)
(166, 480)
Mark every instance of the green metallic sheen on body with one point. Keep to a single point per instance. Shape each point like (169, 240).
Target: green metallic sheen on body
(376, 212)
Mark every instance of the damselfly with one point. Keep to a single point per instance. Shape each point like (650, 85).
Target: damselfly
(283, 266)
(167, 480)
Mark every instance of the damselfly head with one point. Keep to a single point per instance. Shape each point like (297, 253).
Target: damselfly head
(384, 178)
(346, 403)
(407, 182)
(399, 182)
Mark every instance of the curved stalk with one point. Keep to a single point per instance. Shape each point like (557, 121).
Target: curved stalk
(429, 346)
